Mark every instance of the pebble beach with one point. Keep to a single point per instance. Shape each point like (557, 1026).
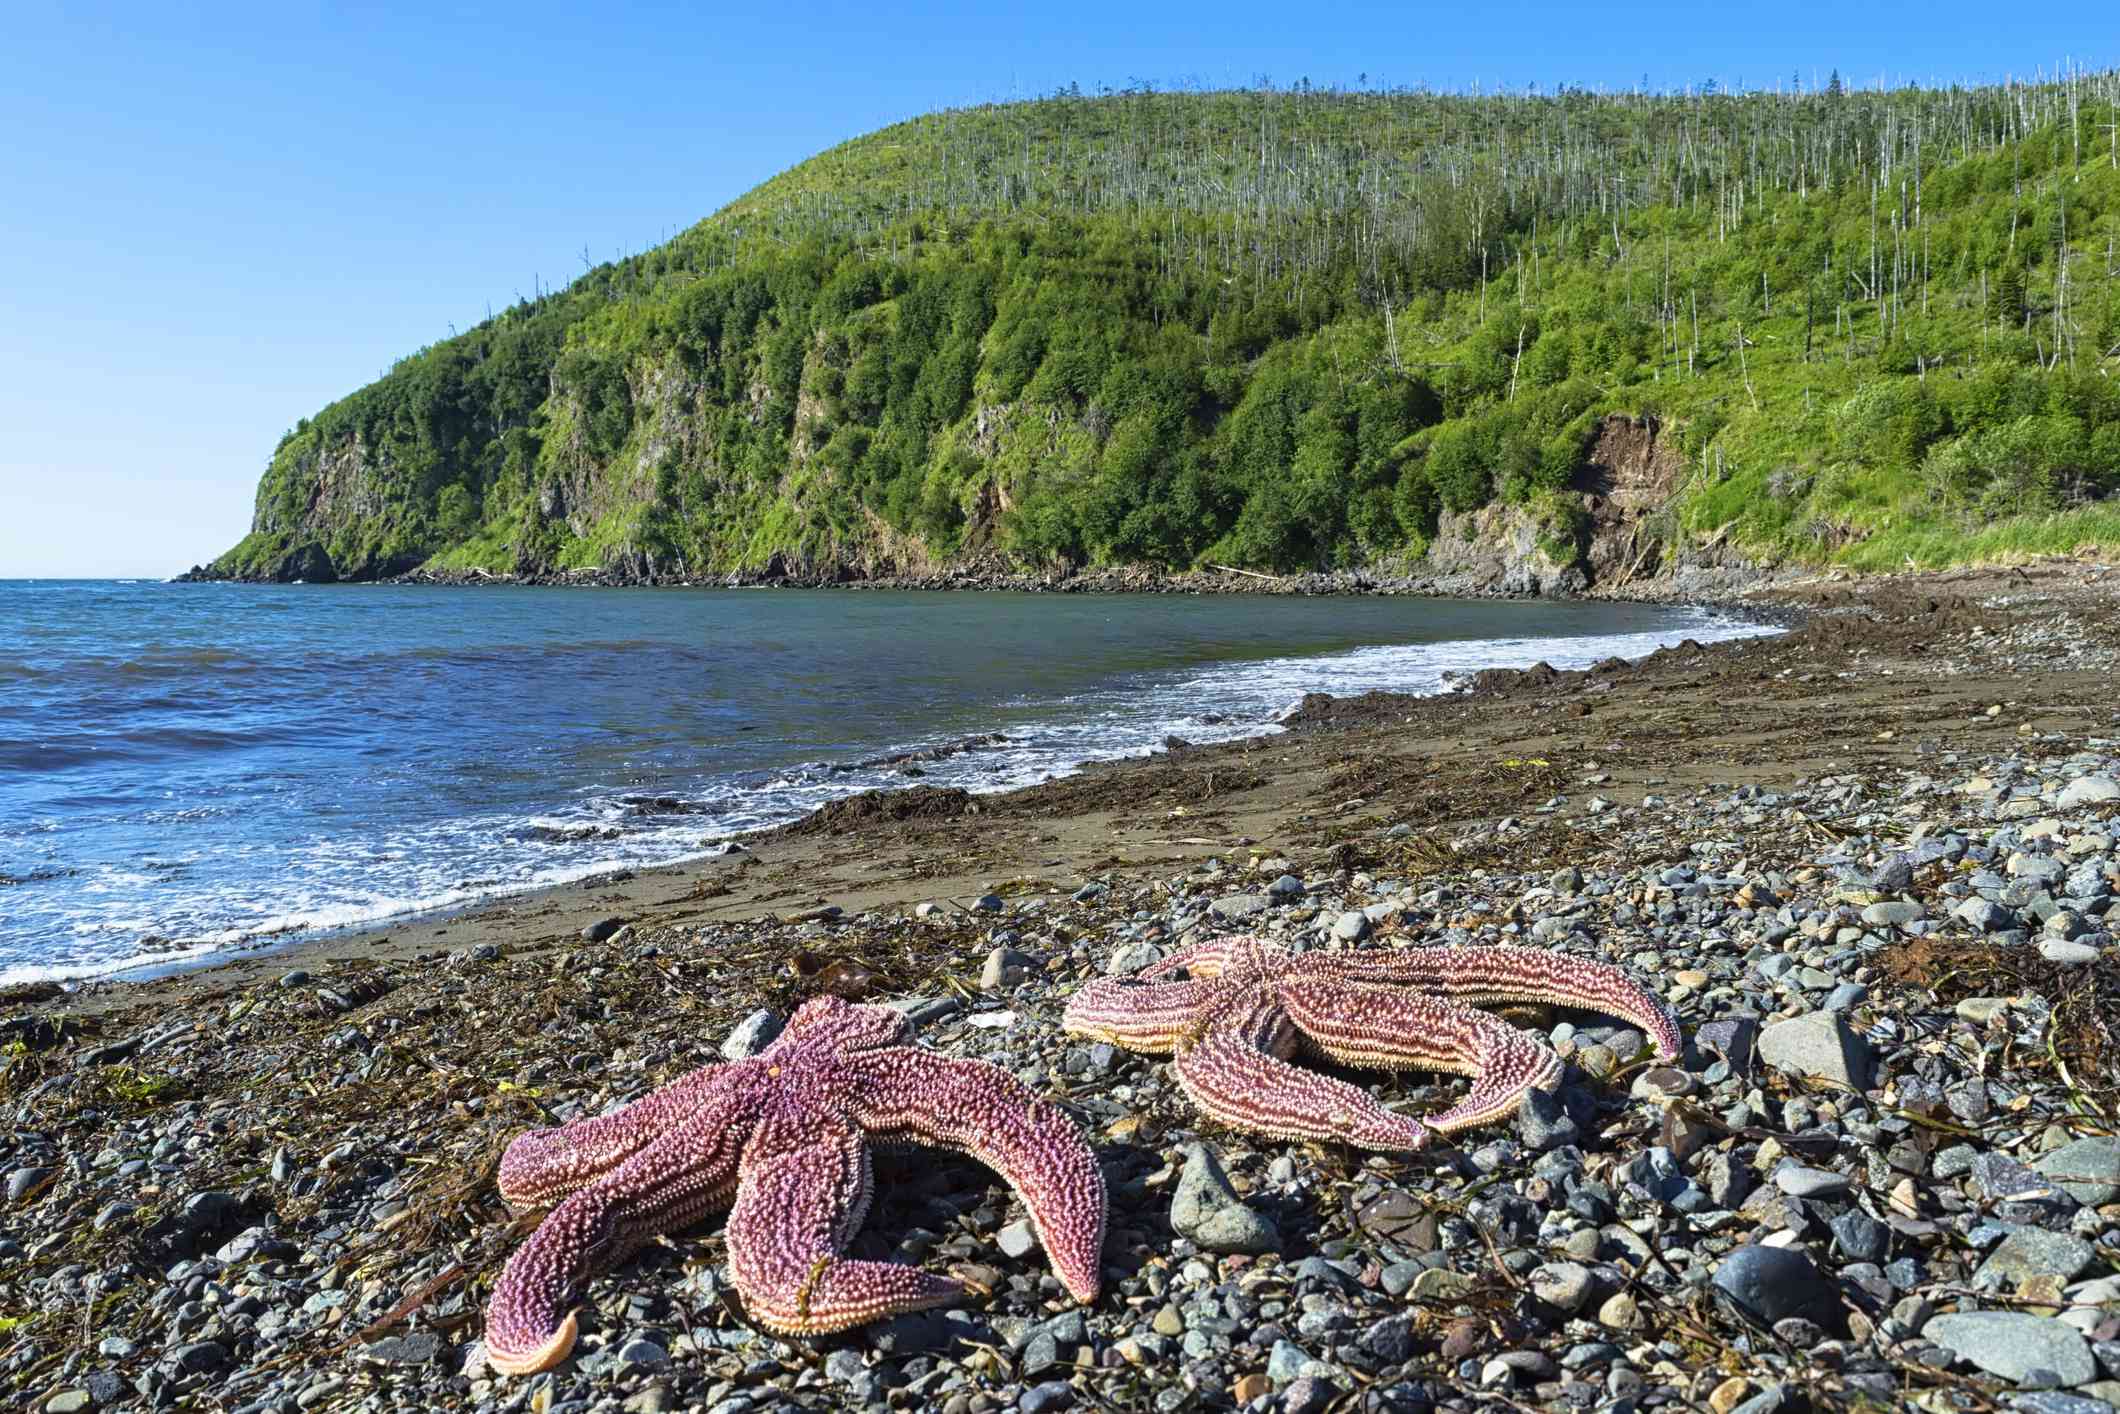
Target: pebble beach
(1872, 864)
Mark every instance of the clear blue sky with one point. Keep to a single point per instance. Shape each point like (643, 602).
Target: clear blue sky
(216, 219)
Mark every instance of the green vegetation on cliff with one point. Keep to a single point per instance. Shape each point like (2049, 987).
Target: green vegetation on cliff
(1286, 329)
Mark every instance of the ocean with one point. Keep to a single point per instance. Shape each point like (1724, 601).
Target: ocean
(187, 769)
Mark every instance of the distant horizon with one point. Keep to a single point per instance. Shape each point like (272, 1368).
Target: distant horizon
(221, 227)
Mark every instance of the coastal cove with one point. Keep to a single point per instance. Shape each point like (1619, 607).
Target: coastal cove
(1718, 820)
(1181, 711)
(195, 771)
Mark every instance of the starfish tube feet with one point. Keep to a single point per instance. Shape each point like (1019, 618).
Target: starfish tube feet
(1204, 960)
(1509, 1063)
(530, 1322)
(1139, 1016)
(1246, 1007)
(669, 1184)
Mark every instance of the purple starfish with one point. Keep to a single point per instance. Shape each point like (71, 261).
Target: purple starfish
(1246, 1008)
(783, 1137)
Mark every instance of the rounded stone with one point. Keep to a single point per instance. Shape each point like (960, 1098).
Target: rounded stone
(1207, 1209)
(1562, 1285)
(1770, 1284)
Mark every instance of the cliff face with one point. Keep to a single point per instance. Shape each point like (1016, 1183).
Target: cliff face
(1624, 534)
(314, 498)
(1615, 526)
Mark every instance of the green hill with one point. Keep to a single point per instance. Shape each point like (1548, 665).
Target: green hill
(1291, 329)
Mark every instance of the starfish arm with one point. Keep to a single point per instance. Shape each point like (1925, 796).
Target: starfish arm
(1236, 1075)
(803, 1193)
(1140, 1016)
(1500, 974)
(845, 1025)
(543, 1166)
(980, 1109)
(667, 1185)
(1384, 1028)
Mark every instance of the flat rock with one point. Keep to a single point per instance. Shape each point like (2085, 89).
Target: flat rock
(1734, 1038)
(2065, 953)
(2031, 1252)
(415, 1349)
(1894, 875)
(1232, 907)
(2088, 1170)
(2012, 1344)
(1800, 1182)
(1984, 916)
(1018, 1239)
(25, 1181)
(1543, 1122)
(1999, 1180)
(1818, 1044)
(1860, 1237)
(1004, 968)
(1042, 1398)
(202, 1355)
(1132, 958)
(642, 1353)
(1661, 1083)
(925, 1011)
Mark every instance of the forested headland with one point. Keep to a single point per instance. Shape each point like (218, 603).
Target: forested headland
(1289, 328)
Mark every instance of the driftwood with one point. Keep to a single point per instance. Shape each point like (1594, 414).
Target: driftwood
(1249, 574)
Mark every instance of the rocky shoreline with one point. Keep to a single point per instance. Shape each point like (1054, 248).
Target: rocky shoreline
(1723, 579)
(1874, 865)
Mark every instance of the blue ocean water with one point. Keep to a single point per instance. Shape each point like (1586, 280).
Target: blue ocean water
(187, 768)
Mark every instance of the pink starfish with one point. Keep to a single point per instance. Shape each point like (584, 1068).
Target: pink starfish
(1247, 1007)
(783, 1137)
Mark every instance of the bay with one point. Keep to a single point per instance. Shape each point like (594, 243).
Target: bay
(186, 768)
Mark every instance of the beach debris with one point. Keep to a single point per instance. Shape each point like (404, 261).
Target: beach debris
(844, 977)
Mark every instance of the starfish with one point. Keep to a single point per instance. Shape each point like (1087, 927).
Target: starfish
(782, 1139)
(1246, 1007)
